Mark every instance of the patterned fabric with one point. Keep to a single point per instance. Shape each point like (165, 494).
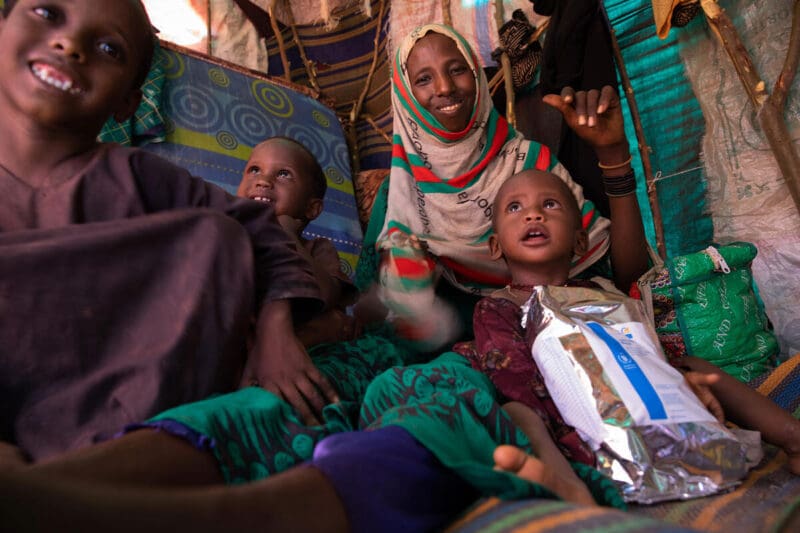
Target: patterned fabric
(442, 183)
(761, 503)
(452, 410)
(253, 433)
(215, 113)
(501, 352)
(147, 123)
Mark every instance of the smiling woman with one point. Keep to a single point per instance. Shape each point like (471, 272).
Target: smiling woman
(451, 152)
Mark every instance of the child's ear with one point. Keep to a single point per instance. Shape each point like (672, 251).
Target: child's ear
(494, 247)
(314, 208)
(581, 242)
(128, 106)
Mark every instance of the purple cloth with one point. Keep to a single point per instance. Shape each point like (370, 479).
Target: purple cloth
(389, 482)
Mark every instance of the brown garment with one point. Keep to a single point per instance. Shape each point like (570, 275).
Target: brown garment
(125, 290)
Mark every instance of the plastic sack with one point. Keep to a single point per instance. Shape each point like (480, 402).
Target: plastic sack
(604, 368)
(704, 305)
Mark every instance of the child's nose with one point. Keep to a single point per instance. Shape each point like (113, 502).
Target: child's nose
(69, 46)
(534, 214)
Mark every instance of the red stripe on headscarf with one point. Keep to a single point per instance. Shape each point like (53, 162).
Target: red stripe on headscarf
(586, 221)
(498, 142)
(413, 268)
(543, 161)
(589, 253)
(464, 273)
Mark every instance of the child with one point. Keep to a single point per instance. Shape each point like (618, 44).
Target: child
(120, 296)
(283, 173)
(537, 230)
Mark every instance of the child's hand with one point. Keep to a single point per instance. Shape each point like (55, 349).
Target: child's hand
(700, 383)
(596, 116)
(279, 363)
(332, 326)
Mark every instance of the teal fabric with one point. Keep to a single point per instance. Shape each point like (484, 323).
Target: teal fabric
(672, 121)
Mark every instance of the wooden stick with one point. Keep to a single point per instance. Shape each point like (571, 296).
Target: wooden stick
(311, 70)
(355, 112)
(511, 117)
(770, 117)
(376, 127)
(447, 17)
(287, 73)
(792, 61)
(644, 149)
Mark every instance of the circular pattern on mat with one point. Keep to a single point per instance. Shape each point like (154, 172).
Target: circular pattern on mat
(195, 108)
(311, 139)
(249, 123)
(346, 267)
(320, 118)
(341, 156)
(227, 140)
(173, 64)
(218, 77)
(272, 98)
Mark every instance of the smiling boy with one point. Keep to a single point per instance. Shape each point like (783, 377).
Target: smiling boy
(126, 285)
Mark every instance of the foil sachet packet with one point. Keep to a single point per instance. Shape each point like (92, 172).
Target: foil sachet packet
(605, 370)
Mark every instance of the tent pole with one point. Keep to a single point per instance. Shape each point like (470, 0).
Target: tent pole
(644, 149)
(505, 63)
(769, 109)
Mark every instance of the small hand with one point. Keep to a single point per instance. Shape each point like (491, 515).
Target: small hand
(596, 116)
(701, 383)
(288, 372)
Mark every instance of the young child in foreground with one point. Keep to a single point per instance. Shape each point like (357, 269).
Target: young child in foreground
(135, 299)
(282, 172)
(537, 230)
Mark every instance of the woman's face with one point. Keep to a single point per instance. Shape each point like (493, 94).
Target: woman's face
(442, 81)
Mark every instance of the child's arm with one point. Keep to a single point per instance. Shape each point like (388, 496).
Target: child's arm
(596, 116)
(279, 363)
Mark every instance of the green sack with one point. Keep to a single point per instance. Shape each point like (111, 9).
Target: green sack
(704, 304)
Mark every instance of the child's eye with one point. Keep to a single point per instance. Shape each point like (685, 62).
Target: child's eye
(284, 174)
(513, 207)
(551, 204)
(110, 50)
(254, 169)
(47, 13)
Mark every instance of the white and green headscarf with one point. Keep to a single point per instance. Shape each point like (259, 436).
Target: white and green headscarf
(442, 183)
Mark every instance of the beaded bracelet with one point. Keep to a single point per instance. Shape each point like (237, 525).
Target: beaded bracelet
(618, 165)
(617, 186)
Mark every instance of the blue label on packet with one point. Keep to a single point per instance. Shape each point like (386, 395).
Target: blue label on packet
(632, 370)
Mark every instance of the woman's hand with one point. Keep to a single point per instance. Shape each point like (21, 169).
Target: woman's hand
(279, 363)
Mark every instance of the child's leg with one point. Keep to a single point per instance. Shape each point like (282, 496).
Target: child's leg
(146, 456)
(747, 408)
(300, 499)
(550, 468)
(11, 456)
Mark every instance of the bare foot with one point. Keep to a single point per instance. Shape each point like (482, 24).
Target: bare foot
(11, 457)
(568, 488)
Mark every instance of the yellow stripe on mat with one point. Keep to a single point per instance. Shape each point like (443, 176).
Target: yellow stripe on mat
(778, 375)
(474, 513)
(573, 516)
(705, 519)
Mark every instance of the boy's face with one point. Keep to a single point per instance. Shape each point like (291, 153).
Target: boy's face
(279, 172)
(72, 63)
(536, 222)
(442, 81)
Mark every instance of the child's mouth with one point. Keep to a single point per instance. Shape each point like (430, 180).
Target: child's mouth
(261, 199)
(54, 78)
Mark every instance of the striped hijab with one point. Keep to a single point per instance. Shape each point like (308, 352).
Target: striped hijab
(442, 183)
